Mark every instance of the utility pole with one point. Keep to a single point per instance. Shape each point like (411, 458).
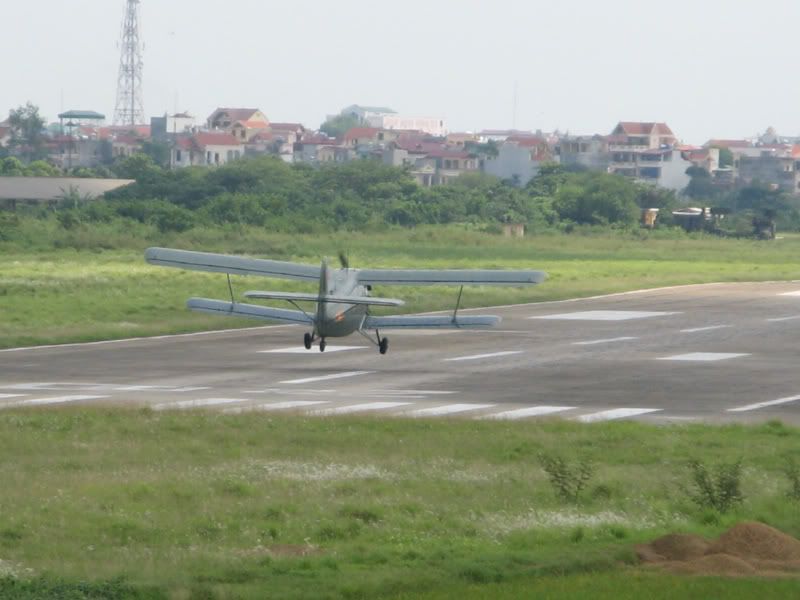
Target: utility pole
(129, 109)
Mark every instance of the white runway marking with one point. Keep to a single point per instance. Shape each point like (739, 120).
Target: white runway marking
(479, 356)
(615, 413)
(426, 392)
(795, 293)
(606, 315)
(276, 406)
(343, 410)
(704, 356)
(447, 409)
(533, 411)
(293, 391)
(779, 319)
(709, 328)
(758, 405)
(326, 377)
(198, 403)
(156, 388)
(313, 351)
(605, 341)
(51, 400)
(11, 395)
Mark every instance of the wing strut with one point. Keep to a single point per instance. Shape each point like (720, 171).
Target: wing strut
(230, 288)
(458, 304)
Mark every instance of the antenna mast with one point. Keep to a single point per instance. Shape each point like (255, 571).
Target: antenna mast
(129, 109)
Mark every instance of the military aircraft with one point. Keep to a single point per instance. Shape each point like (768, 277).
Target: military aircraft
(343, 300)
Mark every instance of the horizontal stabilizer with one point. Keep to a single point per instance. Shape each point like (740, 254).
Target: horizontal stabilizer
(449, 277)
(293, 296)
(437, 322)
(235, 265)
(251, 311)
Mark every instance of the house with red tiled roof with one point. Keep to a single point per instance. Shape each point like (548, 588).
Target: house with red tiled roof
(209, 148)
(245, 130)
(361, 136)
(643, 135)
(225, 118)
(125, 145)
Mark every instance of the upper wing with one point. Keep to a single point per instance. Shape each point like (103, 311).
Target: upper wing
(449, 277)
(435, 322)
(235, 265)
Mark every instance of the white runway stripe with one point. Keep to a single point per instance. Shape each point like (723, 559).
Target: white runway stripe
(198, 403)
(12, 395)
(343, 410)
(276, 406)
(766, 404)
(709, 328)
(479, 356)
(325, 377)
(779, 319)
(447, 409)
(51, 400)
(703, 356)
(426, 392)
(605, 341)
(533, 411)
(615, 413)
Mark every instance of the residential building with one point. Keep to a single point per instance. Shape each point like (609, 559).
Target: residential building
(430, 125)
(125, 145)
(226, 118)
(205, 149)
(307, 149)
(631, 135)
(244, 131)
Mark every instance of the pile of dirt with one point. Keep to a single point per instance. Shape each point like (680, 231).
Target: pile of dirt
(747, 549)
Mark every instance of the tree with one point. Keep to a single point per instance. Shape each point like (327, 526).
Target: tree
(339, 125)
(26, 131)
(158, 151)
(138, 166)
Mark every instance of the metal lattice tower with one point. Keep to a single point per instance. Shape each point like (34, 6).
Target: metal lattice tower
(129, 109)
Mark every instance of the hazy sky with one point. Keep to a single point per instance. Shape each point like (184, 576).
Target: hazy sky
(709, 68)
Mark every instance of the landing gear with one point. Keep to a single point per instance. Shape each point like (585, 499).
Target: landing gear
(383, 345)
(307, 339)
(322, 345)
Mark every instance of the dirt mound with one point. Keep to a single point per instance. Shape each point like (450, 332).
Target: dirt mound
(745, 549)
(757, 541)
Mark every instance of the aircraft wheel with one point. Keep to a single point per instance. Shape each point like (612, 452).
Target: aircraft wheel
(322, 345)
(307, 341)
(384, 345)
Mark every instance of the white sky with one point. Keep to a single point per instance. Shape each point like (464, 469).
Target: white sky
(709, 68)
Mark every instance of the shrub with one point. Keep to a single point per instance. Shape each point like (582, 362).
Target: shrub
(792, 470)
(720, 489)
(568, 481)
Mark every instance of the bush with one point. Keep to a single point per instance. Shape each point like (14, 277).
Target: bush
(568, 482)
(720, 489)
(792, 470)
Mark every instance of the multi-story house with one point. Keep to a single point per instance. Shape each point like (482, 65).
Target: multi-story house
(225, 118)
(584, 151)
(519, 158)
(205, 149)
(778, 167)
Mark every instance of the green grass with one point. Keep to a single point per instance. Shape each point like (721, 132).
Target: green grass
(146, 504)
(55, 296)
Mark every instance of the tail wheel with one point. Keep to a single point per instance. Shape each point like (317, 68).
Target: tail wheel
(307, 339)
(384, 345)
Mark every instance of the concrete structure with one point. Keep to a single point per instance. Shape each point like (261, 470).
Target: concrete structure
(779, 170)
(584, 151)
(51, 189)
(518, 159)
(169, 126)
(364, 113)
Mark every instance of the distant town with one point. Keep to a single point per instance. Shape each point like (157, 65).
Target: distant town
(649, 152)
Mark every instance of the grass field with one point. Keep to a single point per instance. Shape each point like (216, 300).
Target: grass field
(155, 505)
(54, 296)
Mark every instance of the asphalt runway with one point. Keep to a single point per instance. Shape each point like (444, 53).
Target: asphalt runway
(711, 353)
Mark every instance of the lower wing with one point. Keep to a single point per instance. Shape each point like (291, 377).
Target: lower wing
(423, 322)
(251, 311)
